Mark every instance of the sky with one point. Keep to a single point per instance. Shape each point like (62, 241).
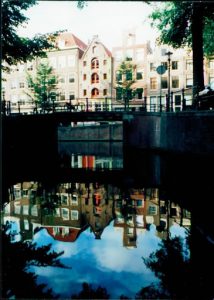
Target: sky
(107, 19)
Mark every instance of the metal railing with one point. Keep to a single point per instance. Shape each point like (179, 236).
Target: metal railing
(164, 104)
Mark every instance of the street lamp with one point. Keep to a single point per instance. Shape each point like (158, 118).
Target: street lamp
(169, 65)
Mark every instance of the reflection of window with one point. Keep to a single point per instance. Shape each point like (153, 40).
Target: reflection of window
(84, 92)
(74, 199)
(139, 203)
(175, 82)
(25, 209)
(130, 231)
(26, 224)
(84, 76)
(56, 231)
(64, 199)
(17, 209)
(104, 76)
(25, 193)
(34, 211)
(104, 92)
(57, 212)
(74, 214)
(65, 213)
(153, 83)
(65, 231)
(152, 210)
(17, 193)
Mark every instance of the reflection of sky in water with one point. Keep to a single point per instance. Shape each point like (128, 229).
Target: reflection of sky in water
(102, 262)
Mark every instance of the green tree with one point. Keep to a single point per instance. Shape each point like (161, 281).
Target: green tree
(125, 77)
(188, 23)
(17, 257)
(21, 49)
(43, 86)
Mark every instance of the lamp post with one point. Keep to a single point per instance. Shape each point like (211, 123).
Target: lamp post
(169, 66)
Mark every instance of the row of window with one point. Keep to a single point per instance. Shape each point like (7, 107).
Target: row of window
(95, 77)
(95, 63)
(164, 82)
(16, 84)
(175, 65)
(25, 210)
(128, 76)
(95, 92)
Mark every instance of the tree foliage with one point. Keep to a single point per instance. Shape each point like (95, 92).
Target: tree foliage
(187, 23)
(174, 20)
(124, 80)
(17, 257)
(88, 292)
(43, 86)
(20, 49)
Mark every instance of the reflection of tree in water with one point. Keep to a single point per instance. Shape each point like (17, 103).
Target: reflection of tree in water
(171, 265)
(88, 292)
(17, 257)
(181, 276)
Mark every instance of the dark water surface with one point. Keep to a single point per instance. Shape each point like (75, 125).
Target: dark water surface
(123, 222)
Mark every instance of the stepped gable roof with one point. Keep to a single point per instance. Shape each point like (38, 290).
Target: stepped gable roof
(95, 40)
(71, 237)
(71, 40)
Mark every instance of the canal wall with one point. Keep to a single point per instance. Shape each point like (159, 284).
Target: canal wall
(103, 132)
(181, 132)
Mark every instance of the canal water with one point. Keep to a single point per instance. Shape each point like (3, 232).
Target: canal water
(104, 222)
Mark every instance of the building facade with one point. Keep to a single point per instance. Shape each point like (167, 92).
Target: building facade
(87, 75)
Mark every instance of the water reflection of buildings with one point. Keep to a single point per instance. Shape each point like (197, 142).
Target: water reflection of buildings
(69, 208)
(92, 162)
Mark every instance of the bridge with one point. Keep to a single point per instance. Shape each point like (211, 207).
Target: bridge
(182, 132)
